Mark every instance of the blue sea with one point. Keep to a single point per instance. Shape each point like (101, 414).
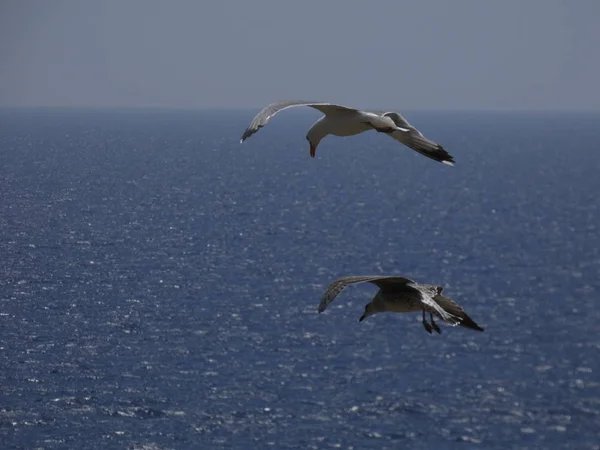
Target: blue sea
(159, 283)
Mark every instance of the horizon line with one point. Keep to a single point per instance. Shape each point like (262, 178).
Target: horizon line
(250, 108)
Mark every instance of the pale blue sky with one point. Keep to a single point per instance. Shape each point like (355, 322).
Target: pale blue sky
(425, 54)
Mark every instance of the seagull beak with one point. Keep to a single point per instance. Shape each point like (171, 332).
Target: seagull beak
(313, 150)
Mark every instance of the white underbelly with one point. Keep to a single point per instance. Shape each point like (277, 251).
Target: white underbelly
(403, 307)
(347, 127)
(406, 303)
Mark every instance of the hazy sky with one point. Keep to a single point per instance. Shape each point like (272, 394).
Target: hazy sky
(419, 54)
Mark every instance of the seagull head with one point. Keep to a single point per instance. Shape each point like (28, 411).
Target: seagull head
(376, 305)
(315, 134)
(313, 146)
(369, 311)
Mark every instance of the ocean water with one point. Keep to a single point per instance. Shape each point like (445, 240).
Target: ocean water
(159, 283)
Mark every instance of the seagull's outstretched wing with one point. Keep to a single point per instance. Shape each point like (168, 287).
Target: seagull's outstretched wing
(341, 283)
(261, 119)
(453, 308)
(414, 139)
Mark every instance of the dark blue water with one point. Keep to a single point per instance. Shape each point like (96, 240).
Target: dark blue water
(159, 283)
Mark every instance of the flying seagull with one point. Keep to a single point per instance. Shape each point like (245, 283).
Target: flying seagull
(399, 294)
(343, 121)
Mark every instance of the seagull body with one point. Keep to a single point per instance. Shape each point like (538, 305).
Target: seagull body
(341, 120)
(402, 295)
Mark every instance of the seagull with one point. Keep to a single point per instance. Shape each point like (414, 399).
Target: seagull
(399, 294)
(343, 121)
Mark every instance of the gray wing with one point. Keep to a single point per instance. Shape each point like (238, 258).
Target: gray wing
(428, 292)
(455, 309)
(341, 283)
(261, 119)
(414, 139)
(399, 120)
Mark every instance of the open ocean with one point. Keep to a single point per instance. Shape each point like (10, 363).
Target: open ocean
(159, 283)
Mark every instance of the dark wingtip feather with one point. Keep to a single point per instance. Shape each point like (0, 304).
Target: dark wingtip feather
(246, 135)
(249, 132)
(443, 156)
(322, 305)
(467, 322)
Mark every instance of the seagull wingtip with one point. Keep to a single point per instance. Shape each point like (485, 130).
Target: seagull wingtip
(448, 163)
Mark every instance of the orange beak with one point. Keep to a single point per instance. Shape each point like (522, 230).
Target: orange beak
(313, 150)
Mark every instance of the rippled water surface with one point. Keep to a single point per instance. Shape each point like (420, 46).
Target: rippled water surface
(159, 283)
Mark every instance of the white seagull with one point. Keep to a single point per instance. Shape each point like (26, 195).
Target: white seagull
(399, 294)
(343, 121)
